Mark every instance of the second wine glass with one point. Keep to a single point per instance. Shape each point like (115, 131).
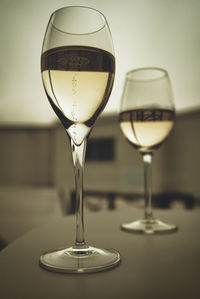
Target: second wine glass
(78, 68)
(146, 119)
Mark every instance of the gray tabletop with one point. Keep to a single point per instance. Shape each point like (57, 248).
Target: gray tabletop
(152, 266)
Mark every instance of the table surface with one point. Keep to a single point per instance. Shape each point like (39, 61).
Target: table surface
(152, 266)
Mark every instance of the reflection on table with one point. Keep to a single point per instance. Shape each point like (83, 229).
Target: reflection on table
(101, 200)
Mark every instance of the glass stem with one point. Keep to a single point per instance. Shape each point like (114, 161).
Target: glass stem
(78, 155)
(147, 159)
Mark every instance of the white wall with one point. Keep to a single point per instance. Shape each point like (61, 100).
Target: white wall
(162, 33)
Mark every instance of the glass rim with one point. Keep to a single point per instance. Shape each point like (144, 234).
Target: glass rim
(78, 6)
(162, 71)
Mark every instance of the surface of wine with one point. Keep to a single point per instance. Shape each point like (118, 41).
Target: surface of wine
(78, 81)
(146, 129)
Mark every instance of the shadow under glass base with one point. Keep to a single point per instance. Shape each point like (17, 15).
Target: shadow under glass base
(149, 226)
(84, 260)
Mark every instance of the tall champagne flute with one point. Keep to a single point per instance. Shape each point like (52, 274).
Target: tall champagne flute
(78, 68)
(146, 119)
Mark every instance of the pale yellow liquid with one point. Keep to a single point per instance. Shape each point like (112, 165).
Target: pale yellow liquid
(148, 129)
(146, 134)
(78, 95)
(78, 81)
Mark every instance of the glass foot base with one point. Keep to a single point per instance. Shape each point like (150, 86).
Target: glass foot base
(72, 260)
(149, 226)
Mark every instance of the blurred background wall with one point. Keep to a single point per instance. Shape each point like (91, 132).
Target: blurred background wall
(42, 157)
(35, 152)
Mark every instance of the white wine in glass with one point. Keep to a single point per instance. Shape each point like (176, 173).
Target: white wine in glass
(146, 119)
(78, 68)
